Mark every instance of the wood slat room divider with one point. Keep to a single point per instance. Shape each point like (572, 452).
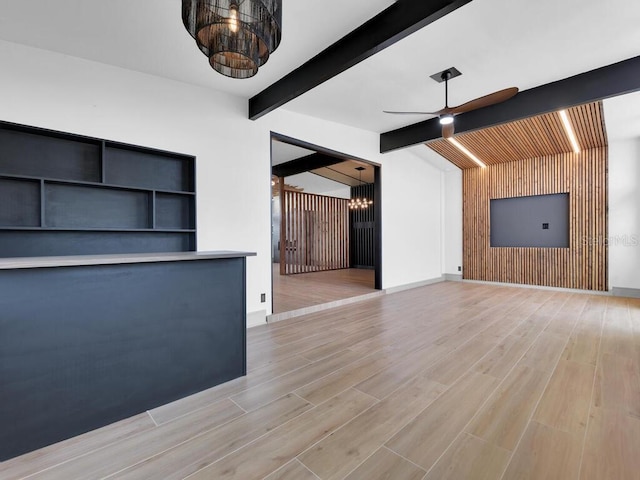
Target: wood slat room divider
(314, 233)
(584, 264)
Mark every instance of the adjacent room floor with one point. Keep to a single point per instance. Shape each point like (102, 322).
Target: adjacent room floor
(450, 381)
(292, 292)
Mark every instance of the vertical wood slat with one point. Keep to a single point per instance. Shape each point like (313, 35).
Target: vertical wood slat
(584, 264)
(314, 233)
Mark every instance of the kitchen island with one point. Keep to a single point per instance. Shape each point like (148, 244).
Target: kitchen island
(86, 341)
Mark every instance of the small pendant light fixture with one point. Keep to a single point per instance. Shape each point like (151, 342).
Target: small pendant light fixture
(360, 203)
(236, 35)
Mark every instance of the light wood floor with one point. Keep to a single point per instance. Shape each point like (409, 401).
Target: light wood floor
(291, 292)
(451, 381)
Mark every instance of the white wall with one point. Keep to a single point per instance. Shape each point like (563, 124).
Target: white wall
(452, 219)
(624, 214)
(54, 91)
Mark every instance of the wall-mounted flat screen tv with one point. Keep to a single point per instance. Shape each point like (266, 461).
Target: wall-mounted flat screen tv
(536, 221)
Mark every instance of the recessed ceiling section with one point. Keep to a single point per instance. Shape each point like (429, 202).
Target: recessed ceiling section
(347, 174)
(539, 136)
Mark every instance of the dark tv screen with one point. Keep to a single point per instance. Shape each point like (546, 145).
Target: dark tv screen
(536, 221)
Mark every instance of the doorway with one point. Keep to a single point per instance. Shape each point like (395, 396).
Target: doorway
(325, 245)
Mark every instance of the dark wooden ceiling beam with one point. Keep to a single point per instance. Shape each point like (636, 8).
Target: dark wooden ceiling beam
(304, 164)
(390, 26)
(605, 82)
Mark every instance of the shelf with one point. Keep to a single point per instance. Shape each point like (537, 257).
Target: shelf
(32, 154)
(73, 206)
(20, 204)
(64, 194)
(148, 170)
(93, 184)
(58, 229)
(49, 242)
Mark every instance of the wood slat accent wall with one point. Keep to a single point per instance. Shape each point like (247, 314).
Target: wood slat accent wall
(315, 233)
(581, 266)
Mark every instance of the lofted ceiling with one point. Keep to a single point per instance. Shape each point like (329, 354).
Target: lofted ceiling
(533, 137)
(494, 43)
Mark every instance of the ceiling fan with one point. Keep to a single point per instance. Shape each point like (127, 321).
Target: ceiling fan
(447, 113)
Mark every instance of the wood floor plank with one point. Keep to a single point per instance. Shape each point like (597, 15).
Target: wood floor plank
(335, 456)
(58, 453)
(546, 454)
(293, 470)
(386, 465)
(618, 332)
(565, 403)
(200, 451)
(383, 383)
(270, 354)
(564, 321)
(132, 450)
(184, 406)
(277, 448)
(291, 292)
(426, 437)
(267, 392)
(326, 387)
(612, 446)
(506, 414)
(470, 458)
(545, 352)
(618, 384)
(342, 342)
(450, 368)
(499, 361)
(376, 350)
(584, 344)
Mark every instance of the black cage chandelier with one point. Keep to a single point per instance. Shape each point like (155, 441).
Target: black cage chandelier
(236, 35)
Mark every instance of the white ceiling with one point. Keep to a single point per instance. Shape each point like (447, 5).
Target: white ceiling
(495, 43)
(284, 152)
(148, 35)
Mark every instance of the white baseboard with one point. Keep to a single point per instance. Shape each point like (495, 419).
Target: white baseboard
(277, 317)
(409, 286)
(256, 318)
(453, 277)
(625, 292)
(538, 287)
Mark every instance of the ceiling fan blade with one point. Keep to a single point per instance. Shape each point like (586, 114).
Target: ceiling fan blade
(410, 113)
(448, 130)
(491, 99)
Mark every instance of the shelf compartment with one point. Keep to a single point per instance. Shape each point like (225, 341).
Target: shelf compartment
(39, 243)
(37, 155)
(156, 171)
(174, 211)
(72, 206)
(20, 205)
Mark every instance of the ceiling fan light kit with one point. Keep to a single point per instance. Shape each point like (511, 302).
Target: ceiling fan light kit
(236, 35)
(447, 114)
(446, 119)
